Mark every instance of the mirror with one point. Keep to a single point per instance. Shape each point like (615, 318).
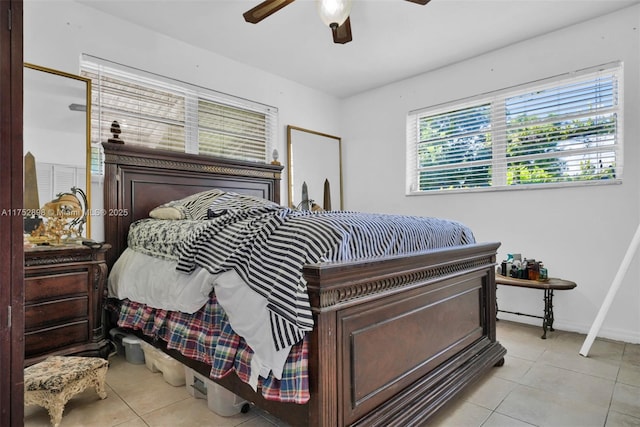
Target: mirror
(57, 132)
(315, 162)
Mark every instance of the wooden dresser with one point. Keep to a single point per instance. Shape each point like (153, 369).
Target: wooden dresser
(64, 294)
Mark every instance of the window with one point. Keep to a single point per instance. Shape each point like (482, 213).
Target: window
(158, 112)
(561, 131)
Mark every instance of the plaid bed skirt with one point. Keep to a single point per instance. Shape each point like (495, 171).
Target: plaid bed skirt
(207, 336)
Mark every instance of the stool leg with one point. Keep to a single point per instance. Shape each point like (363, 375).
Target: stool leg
(99, 380)
(52, 403)
(55, 410)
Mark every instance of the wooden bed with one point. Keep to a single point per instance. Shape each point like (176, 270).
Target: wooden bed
(395, 339)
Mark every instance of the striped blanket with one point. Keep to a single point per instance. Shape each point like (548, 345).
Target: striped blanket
(267, 245)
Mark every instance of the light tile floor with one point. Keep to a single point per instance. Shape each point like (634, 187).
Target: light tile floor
(542, 383)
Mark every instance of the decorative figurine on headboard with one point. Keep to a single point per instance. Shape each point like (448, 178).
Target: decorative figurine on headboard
(327, 195)
(115, 130)
(275, 156)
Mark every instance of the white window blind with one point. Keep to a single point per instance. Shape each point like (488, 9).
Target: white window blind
(159, 112)
(54, 179)
(561, 131)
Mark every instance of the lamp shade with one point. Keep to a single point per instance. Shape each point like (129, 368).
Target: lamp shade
(334, 12)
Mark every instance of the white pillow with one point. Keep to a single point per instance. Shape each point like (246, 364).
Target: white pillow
(166, 212)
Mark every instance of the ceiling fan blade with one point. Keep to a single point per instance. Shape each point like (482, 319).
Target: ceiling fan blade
(422, 2)
(264, 9)
(342, 34)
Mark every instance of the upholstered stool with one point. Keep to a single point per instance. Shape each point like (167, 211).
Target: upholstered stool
(55, 380)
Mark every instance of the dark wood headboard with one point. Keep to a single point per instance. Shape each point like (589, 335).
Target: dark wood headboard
(137, 179)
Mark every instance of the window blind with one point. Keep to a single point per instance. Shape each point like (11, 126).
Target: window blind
(54, 179)
(163, 113)
(559, 131)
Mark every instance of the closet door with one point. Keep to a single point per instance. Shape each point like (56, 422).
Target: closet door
(11, 221)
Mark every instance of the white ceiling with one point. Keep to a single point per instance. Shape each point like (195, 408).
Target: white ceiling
(392, 39)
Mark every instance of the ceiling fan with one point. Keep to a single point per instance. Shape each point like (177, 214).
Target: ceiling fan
(334, 13)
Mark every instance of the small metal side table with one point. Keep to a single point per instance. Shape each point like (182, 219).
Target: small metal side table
(548, 286)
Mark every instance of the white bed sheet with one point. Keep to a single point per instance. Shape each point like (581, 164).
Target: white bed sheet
(156, 283)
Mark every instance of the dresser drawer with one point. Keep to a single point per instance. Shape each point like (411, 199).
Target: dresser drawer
(58, 285)
(52, 312)
(44, 340)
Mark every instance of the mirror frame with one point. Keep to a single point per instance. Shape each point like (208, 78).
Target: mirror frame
(293, 136)
(87, 81)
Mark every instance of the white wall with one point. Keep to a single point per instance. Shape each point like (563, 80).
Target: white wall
(58, 32)
(581, 234)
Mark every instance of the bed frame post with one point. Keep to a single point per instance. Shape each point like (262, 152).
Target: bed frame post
(112, 228)
(492, 308)
(323, 355)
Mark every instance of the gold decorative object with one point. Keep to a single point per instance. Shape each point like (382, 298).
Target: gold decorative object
(64, 219)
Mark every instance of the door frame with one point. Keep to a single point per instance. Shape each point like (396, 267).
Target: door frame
(11, 220)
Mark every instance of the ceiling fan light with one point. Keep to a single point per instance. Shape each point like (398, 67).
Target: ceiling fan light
(334, 12)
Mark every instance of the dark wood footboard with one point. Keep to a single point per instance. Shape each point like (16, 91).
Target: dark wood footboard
(398, 338)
